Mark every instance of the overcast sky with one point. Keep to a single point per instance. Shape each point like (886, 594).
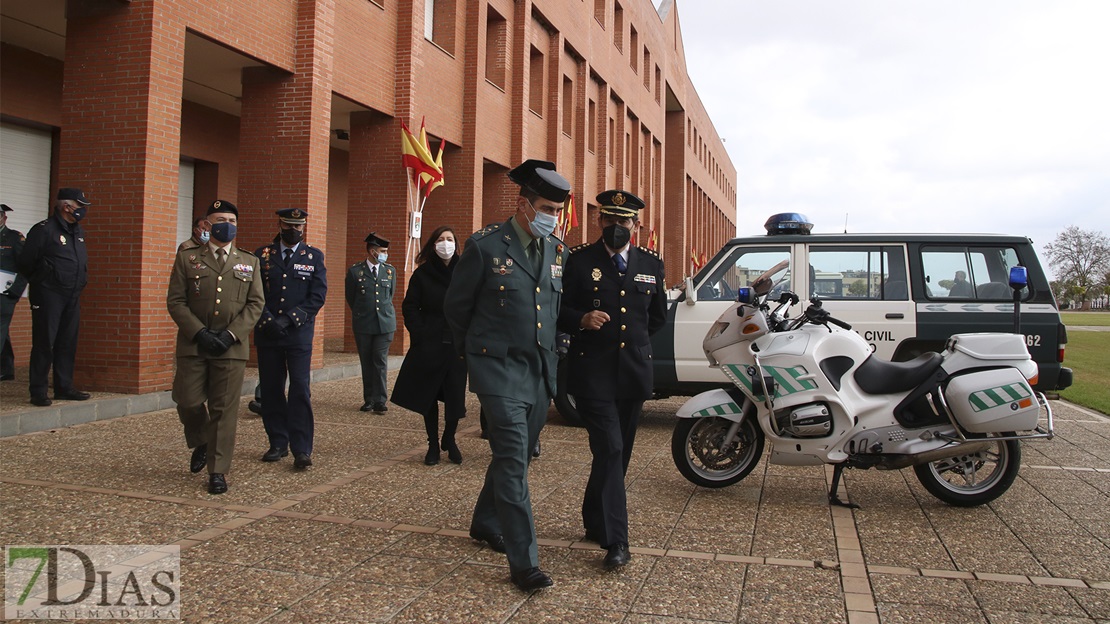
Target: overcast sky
(910, 116)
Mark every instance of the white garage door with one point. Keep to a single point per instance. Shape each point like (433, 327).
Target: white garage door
(185, 176)
(25, 174)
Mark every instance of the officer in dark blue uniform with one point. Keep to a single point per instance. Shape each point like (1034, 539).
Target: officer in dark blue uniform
(295, 282)
(613, 300)
(56, 264)
(12, 285)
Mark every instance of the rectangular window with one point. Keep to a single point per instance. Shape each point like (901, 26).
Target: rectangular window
(497, 47)
(618, 26)
(647, 67)
(658, 83)
(633, 48)
(875, 273)
(592, 125)
(439, 23)
(568, 106)
(599, 12)
(612, 141)
(535, 80)
(742, 267)
(960, 272)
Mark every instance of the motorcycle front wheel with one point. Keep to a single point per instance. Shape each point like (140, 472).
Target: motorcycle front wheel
(974, 479)
(702, 456)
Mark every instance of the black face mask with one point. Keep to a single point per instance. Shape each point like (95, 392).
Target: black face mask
(223, 232)
(616, 237)
(79, 213)
(291, 237)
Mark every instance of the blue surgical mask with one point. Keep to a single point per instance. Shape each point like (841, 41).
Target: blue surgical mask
(204, 236)
(223, 232)
(542, 224)
(382, 257)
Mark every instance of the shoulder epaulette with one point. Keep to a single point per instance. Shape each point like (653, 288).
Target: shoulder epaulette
(650, 252)
(580, 247)
(243, 251)
(486, 231)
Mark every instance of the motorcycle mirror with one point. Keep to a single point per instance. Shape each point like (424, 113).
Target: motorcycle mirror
(762, 286)
(1019, 277)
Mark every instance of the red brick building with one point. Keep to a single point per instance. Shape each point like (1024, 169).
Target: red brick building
(157, 107)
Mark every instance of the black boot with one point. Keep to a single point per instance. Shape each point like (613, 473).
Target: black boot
(448, 442)
(431, 458)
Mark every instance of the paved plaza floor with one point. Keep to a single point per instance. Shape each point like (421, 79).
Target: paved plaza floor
(371, 534)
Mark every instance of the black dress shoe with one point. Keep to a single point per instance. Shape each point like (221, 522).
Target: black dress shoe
(531, 579)
(7, 377)
(255, 407)
(380, 408)
(431, 458)
(536, 449)
(302, 460)
(453, 452)
(617, 556)
(274, 454)
(366, 407)
(71, 395)
(495, 540)
(592, 537)
(199, 459)
(216, 483)
(41, 401)
(484, 435)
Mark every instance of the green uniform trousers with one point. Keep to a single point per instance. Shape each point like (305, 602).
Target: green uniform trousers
(207, 393)
(504, 506)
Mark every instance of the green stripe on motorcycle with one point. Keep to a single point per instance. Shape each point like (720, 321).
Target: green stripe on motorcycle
(719, 410)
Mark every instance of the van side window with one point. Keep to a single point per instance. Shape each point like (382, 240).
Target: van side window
(742, 267)
(859, 272)
(968, 273)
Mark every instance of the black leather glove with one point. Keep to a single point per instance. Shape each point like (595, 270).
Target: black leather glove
(227, 338)
(278, 327)
(562, 344)
(209, 342)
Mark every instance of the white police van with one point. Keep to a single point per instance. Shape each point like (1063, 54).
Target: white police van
(904, 293)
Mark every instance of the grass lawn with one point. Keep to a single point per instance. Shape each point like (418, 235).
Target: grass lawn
(1086, 355)
(1101, 319)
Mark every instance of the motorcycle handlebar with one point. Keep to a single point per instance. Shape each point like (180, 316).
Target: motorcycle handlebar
(839, 323)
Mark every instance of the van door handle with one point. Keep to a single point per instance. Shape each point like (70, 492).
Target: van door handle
(895, 315)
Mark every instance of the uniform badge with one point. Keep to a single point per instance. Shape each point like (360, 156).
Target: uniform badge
(618, 199)
(556, 271)
(558, 259)
(558, 249)
(192, 258)
(389, 272)
(597, 303)
(596, 274)
(647, 279)
(309, 256)
(62, 238)
(502, 270)
(508, 262)
(496, 261)
(501, 302)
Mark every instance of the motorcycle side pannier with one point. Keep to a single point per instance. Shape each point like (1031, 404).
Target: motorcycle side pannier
(992, 401)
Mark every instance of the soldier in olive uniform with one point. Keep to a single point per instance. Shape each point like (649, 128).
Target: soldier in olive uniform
(11, 289)
(296, 284)
(369, 288)
(614, 299)
(502, 306)
(215, 297)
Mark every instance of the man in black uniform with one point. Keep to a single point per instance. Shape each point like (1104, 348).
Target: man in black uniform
(12, 285)
(613, 299)
(296, 283)
(56, 264)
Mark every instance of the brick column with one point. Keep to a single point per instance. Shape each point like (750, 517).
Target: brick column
(121, 105)
(284, 132)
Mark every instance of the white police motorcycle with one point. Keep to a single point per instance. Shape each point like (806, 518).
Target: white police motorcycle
(815, 390)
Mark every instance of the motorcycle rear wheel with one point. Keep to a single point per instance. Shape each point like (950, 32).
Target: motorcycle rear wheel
(975, 479)
(696, 449)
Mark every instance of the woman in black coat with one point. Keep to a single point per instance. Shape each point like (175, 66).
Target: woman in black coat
(432, 370)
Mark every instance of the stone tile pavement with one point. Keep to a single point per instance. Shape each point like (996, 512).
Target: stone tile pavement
(370, 534)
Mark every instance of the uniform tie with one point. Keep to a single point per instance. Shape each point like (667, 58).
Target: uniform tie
(620, 262)
(288, 255)
(221, 256)
(536, 254)
(374, 272)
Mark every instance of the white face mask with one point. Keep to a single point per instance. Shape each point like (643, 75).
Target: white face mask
(445, 249)
(542, 224)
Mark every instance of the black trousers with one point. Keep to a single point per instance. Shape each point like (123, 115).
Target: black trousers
(7, 354)
(611, 425)
(55, 317)
(288, 420)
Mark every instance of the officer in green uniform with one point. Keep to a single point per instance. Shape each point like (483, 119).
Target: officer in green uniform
(215, 297)
(369, 289)
(502, 306)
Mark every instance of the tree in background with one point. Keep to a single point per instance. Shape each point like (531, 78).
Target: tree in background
(1080, 260)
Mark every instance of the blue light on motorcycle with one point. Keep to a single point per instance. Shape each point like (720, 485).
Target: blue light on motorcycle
(744, 294)
(1019, 277)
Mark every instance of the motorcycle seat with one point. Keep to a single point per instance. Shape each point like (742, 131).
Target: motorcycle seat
(877, 376)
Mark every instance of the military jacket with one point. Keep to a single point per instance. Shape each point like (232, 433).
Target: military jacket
(202, 295)
(11, 244)
(371, 298)
(502, 313)
(296, 290)
(54, 256)
(616, 360)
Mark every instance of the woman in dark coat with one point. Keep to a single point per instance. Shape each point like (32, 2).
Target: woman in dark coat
(432, 370)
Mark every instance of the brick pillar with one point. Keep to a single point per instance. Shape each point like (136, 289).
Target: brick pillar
(284, 131)
(121, 105)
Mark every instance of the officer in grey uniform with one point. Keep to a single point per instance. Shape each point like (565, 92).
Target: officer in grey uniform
(369, 288)
(215, 298)
(614, 300)
(12, 286)
(502, 306)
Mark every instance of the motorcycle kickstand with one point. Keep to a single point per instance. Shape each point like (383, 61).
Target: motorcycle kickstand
(833, 498)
